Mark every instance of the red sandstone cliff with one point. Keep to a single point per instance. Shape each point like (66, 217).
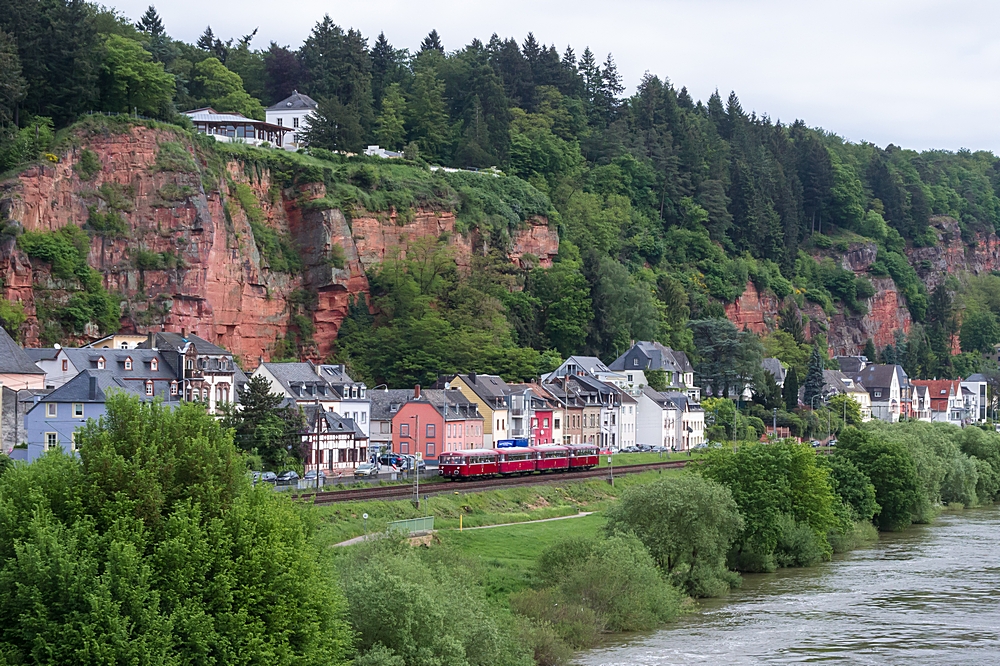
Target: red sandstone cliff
(219, 287)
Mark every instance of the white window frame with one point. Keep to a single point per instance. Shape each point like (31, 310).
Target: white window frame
(51, 439)
(101, 363)
(173, 388)
(51, 410)
(154, 365)
(75, 406)
(72, 441)
(128, 363)
(149, 388)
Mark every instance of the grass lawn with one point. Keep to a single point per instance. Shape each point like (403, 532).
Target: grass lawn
(519, 545)
(506, 556)
(343, 521)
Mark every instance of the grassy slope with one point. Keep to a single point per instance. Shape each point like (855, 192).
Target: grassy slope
(340, 522)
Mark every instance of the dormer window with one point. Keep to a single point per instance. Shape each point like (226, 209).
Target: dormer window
(128, 363)
(173, 388)
(101, 364)
(154, 365)
(149, 388)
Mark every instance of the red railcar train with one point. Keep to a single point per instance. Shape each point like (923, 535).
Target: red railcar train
(478, 463)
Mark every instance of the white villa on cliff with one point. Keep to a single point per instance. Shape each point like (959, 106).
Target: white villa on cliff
(292, 113)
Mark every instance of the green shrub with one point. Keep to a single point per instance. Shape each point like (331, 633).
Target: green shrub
(424, 613)
(87, 165)
(798, 545)
(688, 524)
(109, 224)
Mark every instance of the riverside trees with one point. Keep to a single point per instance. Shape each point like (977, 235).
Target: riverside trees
(152, 547)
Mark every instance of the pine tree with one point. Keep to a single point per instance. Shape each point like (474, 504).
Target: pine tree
(150, 23)
(428, 115)
(869, 351)
(432, 42)
(814, 379)
(12, 86)
(282, 73)
(790, 390)
(207, 40)
(790, 321)
(390, 131)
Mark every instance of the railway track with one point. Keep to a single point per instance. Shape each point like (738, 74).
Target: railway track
(406, 491)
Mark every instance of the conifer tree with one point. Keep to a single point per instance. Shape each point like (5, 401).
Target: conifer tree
(790, 390)
(12, 86)
(432, 42)
(150, 23)
(814, 379)
(390, 131)
(869, 351)
(207, 40)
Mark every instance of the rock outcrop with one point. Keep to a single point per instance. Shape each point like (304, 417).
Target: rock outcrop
(206, 274)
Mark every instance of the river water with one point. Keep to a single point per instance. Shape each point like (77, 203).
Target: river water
(929, 595)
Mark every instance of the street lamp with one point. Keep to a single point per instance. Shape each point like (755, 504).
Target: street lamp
(416, 467)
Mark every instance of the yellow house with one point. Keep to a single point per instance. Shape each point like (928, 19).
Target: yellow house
(489, 392)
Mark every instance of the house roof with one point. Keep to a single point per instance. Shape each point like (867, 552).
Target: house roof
(658, 357)
(490, 388)
(114, 359)
(42, 353)
(850, 365)
(661, 399)
(977, 377)
(836, 381)
(294, 102)
(13, 359)
(684, 403)
(382, 402)
(450, 403)
(177, 342)
(875, 377)
(334, 421)
(106, 381)
(209, 115)
(939, 391)
(775, 367)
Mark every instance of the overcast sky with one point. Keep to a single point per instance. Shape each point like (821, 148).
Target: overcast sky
(918, 73)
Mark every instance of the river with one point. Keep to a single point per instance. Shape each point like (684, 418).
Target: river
(929, 595)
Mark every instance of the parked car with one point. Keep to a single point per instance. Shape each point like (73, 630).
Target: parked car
(254, 477)
(832, 442)
(268, 477)
(814, 443)
(288, 476)
(392, 459)
(366, 469)
(310, 475)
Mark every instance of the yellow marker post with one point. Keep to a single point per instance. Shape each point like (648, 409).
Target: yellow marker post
(459, 522)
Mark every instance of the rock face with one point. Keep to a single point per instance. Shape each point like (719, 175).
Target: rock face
(210, 278)
(887, 310)
(846, 332)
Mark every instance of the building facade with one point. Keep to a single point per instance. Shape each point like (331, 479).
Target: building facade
(293, 114)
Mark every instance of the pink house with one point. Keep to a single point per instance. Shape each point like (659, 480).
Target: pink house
(433, 422)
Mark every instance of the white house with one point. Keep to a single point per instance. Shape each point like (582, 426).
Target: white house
(645, 355)
(292, 112)
(656, 422)
(977, 386)
(326, 385)
(886, 389)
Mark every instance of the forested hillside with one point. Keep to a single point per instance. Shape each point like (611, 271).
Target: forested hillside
(667, 207)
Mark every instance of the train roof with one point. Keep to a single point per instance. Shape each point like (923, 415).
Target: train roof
(471, 452)
(551, 447)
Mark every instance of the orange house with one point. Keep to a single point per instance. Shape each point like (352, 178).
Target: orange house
(434, 421)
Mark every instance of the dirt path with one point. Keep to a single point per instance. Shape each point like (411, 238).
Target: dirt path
(360, 539)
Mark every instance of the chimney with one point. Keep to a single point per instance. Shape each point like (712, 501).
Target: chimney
(183, 332)
(416, 391)
(472, 377)
(151, 340)
(93, 387)
(318, 368)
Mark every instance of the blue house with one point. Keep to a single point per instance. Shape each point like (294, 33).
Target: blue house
(55, 418)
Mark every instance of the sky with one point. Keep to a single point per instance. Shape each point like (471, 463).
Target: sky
(920, 74)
